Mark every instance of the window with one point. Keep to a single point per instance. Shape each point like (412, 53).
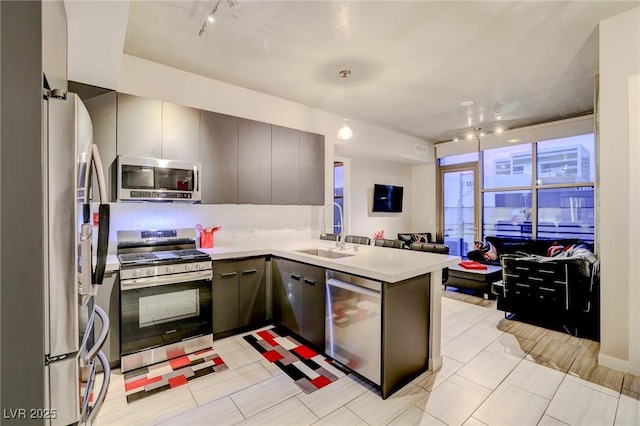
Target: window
(338, 194)
(566, 161)
(507, 214)
(459, 159)
(507, 167)
(566, 213)
(562, 183)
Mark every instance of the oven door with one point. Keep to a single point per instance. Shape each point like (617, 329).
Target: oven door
(164, 310)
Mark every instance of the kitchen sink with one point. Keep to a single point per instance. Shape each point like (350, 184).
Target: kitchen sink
(324, 253)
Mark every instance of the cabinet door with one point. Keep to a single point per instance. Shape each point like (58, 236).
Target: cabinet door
(219, 158)
(139, 126)
(225, 297)
(254, 162)
(311, 169)
(285, 165)
(253, 292)
(314, 300)
(102, 109)
(180, 133)
(289, 312)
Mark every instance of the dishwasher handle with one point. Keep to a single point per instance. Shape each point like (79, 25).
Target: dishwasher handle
(332, 282)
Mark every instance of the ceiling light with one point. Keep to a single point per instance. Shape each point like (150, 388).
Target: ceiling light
(466, 103)
(514, 140)
(345, 131)
(211, 17)
(456, 139)
(498, 130)
(203, 30)
(469, 135)
(481, 134)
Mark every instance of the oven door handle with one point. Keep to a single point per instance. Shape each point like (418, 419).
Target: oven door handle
(165, 279)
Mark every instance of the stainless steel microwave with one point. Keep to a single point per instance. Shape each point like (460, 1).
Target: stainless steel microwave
(153, 179)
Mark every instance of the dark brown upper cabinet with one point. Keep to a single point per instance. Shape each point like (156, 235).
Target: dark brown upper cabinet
(285, 165)
(254, 162)
(311, 169)
(219, 158)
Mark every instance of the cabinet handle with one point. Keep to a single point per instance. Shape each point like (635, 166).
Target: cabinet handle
(250, 271)
(229, 274)
(309, 281)
(295, 277)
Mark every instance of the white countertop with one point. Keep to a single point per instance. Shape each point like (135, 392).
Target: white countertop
(379, 263)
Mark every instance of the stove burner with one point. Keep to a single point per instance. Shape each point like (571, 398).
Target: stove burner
(190, 254)
(137, 257)
(166, 255)
(151, 257)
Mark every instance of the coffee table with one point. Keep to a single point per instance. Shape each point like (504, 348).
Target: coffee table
(478, 280)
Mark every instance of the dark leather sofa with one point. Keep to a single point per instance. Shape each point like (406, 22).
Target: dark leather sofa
(561, 293)
(409, 238)
(508, 245)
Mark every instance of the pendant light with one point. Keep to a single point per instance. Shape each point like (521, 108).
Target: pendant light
(345, 131)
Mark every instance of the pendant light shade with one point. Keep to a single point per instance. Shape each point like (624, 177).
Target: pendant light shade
(345, 132)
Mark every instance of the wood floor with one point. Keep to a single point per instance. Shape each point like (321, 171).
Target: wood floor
(495, 372)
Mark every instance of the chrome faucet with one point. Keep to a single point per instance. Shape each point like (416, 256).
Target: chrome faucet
(340, 242)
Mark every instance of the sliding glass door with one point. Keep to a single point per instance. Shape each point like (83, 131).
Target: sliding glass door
(458, 207)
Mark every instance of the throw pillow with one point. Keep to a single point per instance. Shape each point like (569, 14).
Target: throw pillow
(488, 250)
(491, 253)
(421, 238)
(554, 249)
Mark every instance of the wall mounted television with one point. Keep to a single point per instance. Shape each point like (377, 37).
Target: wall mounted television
(387, 198)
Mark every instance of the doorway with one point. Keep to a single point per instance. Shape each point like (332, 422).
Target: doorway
(458, 207)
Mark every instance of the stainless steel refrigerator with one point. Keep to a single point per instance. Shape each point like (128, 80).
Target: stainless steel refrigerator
(75, 328)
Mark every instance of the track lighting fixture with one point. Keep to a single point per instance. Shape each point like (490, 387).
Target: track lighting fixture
(211, 17)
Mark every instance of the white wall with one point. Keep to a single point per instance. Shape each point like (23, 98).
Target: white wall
(424, 214)
(256, 225)
(618, 161)
(364, 174)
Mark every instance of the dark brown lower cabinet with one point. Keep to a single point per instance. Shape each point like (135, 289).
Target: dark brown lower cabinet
(239, 294)
(299, 299)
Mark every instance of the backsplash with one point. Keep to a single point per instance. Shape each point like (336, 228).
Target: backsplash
(254, 223)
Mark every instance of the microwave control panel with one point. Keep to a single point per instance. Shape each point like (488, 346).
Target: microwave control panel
(160, 194)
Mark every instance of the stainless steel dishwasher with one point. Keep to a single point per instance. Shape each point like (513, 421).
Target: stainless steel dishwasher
(353, 331)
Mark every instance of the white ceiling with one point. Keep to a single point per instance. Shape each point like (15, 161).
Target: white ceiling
(412, 62)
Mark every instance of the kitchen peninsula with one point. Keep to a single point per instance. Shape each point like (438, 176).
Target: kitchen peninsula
(408, 316)
(411, 284)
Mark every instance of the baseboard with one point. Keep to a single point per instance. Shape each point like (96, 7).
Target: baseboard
(619, 364)
(435, 363)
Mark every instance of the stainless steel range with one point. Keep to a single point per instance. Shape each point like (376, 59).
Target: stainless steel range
(165, 293)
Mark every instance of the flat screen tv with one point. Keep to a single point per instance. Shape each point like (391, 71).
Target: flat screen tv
(387, 198)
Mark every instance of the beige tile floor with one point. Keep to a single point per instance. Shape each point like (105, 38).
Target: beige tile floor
(495, 372)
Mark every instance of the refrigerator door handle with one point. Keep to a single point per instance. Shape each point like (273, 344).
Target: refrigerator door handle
(97, 347)
(89, 414)
(94, 161)
(103, 244)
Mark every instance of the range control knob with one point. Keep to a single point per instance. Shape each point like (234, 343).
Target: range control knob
(188, 267)
(169, 269)
(137, 273)
(199, 266)
(148, 271)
